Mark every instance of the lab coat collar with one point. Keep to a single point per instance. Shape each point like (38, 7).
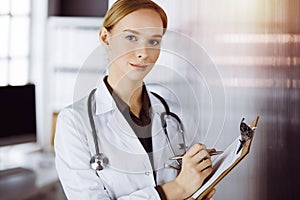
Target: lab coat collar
(104, 100)
(106, 103)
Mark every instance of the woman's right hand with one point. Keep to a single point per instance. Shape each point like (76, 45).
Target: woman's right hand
(196, 167)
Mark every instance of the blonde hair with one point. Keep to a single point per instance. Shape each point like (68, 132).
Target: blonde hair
(121, 8)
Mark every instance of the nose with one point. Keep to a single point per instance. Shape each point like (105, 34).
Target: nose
(142, 53)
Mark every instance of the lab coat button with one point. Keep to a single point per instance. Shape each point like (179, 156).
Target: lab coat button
(147, 173)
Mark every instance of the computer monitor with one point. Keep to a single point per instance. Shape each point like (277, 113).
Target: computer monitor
(17, 114)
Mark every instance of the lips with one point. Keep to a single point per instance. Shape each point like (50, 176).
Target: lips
(139, 66)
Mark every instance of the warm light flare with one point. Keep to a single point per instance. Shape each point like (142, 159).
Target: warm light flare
(258, 38)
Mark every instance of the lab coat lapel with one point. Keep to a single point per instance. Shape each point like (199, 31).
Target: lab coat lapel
(126, 153)
(128, 139)
(118, 141)
(130, 143)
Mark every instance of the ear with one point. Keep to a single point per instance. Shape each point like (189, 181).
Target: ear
(104, 36)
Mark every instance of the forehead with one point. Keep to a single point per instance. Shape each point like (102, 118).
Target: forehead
(145, 21)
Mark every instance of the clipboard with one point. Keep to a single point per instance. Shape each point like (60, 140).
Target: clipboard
(224, 163)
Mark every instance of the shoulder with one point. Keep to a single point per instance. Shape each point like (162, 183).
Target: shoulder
(72, 120)
(76, 108)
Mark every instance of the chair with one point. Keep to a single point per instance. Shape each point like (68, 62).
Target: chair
(54, 119)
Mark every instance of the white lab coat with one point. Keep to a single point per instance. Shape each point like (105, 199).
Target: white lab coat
(129, 175)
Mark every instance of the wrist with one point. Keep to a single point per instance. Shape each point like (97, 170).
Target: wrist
(173, 190)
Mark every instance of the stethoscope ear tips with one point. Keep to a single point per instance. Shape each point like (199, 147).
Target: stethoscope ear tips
(99, 162)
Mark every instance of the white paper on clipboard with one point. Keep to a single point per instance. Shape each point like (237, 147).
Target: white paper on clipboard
(224, 163)
(220, 164)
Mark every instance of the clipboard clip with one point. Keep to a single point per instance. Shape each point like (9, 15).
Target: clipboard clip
(246, 134)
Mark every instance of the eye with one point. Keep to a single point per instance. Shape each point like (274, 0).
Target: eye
(154, 42)
(131, 38)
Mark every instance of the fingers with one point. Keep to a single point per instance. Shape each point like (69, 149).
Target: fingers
(196, 148)
(205, 165)
(197, 153)
(200, 156)
(196, 167)
(210, 194)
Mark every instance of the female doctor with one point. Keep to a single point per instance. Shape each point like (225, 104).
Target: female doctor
(127, 121)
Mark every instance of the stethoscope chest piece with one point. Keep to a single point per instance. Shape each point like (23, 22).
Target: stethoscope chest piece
(99, 162)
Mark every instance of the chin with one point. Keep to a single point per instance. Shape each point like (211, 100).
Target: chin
(136, 75)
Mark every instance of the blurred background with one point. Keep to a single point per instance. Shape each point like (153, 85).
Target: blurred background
(254, 45)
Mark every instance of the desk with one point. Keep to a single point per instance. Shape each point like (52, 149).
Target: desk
(39, 181)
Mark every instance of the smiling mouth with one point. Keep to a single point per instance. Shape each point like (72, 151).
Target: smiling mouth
(139, 66)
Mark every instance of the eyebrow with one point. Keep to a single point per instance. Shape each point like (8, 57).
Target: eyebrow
(137, 33)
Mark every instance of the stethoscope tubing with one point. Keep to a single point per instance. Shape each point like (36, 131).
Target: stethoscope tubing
(99, 159)
(92, 122)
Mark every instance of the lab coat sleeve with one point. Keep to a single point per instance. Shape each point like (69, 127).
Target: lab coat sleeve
(79, 181)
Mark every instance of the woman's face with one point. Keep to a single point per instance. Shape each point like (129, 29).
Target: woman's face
(134, 44)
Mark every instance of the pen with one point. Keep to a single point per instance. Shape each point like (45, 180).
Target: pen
(211, 152)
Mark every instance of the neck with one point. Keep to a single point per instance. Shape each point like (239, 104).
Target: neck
(128, 90)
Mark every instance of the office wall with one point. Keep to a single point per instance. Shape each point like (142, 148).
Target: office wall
(256, 47)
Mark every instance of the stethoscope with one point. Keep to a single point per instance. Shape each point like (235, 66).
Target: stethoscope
(100, 161)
